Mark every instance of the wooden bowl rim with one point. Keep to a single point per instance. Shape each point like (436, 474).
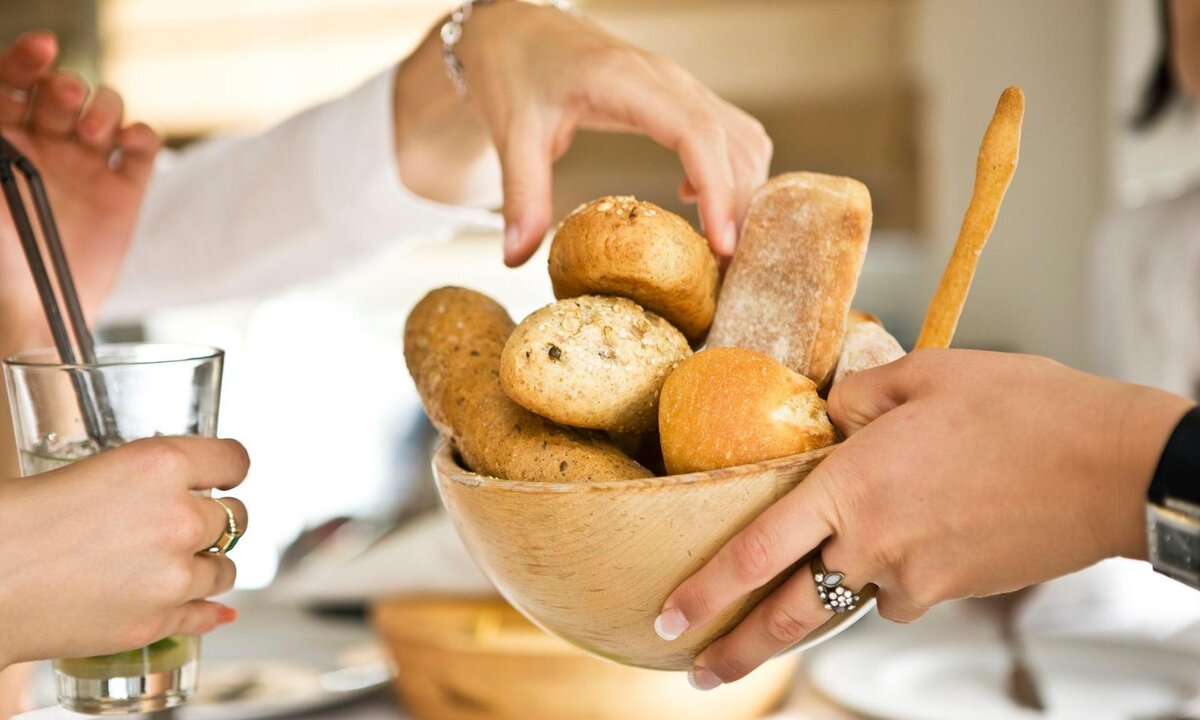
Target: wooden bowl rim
(446, 465)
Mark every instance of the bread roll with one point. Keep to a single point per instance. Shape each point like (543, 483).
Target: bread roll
(733, 406)
(592, 362)
(452, 344)
(620, 246)
(795, 270)
(867, 345)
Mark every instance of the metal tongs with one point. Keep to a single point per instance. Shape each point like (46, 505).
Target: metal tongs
(88, 384)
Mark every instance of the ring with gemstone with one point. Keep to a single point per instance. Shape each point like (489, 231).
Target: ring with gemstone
(829, 588)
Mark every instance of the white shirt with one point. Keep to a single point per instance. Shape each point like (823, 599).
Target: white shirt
(253, 215)
(1146, 294)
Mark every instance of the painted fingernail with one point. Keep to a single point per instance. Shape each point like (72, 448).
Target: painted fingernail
(226, 614)
(702, 678)
(670, 624)
(512, 238)
(729, 242)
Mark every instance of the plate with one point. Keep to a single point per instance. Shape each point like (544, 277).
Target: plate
(258, 690)
(913, 673)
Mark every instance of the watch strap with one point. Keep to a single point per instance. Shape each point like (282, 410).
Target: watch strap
(1177, 476)
(1173, 510)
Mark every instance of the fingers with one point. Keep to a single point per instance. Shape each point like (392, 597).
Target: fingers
(138, 145)
(201, 463)
(864, 396)
(101, 122)
(895, 607)
(669, 106)
(525, 159)
(687, 193)
(216, 464)
(25, 60)
(211, 575)
(704, 152)
(779, 622)
(783, 619)
(198, 618)
(750, 155)
(57, 101)
(786, 532)
(216, 522)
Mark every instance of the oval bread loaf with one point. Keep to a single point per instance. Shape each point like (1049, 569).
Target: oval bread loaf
(635, 249)
(452, 344)
(788, 289)
(592, 362)
(867, 345)
(732, 406)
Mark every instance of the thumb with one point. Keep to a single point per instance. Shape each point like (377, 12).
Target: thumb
(525, 163)
(864, 396)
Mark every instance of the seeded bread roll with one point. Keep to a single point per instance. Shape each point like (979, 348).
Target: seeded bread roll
(592, 362)
(867, 345)
(788, 289)
(452, 344)
(635, 249)
(732, 406)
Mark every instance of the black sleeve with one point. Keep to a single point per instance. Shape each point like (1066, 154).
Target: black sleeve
(1178, 472)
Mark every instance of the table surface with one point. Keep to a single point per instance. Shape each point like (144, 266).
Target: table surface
(284, 632)
(804, 704)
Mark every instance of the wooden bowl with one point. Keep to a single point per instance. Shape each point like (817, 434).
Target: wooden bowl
(593, 562)
(476, 659)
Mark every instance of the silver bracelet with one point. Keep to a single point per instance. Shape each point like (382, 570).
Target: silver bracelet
(452, 31)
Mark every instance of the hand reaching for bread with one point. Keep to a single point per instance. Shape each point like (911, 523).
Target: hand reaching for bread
(560, 396)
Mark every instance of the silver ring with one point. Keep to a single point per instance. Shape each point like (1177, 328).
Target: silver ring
(15, 94)
(829, 588)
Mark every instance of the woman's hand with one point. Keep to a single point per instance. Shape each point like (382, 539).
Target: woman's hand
(107, 554)
(95, 193)
(964, 474)
(536, 75)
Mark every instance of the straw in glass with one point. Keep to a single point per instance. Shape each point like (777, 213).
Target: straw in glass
(94, 405)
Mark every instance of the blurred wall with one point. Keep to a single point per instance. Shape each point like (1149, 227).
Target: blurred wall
(75, 21)
(1029, 293)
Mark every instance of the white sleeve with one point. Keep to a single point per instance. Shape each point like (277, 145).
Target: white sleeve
(251, 215)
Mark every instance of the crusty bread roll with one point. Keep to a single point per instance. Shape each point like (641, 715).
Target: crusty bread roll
(452, 344)
(795, 270)
(733, 406)
(867, 345)
(592, 362)
(620, 246)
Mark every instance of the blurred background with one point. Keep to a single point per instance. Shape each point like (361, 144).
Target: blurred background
(894, 92)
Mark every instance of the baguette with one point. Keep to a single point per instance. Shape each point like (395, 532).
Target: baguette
(867, 345)
(452, 344)
(789, 287)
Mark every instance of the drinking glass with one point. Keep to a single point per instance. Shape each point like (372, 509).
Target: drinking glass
(145, 390)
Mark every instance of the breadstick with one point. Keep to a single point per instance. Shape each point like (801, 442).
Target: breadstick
(993, 172)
